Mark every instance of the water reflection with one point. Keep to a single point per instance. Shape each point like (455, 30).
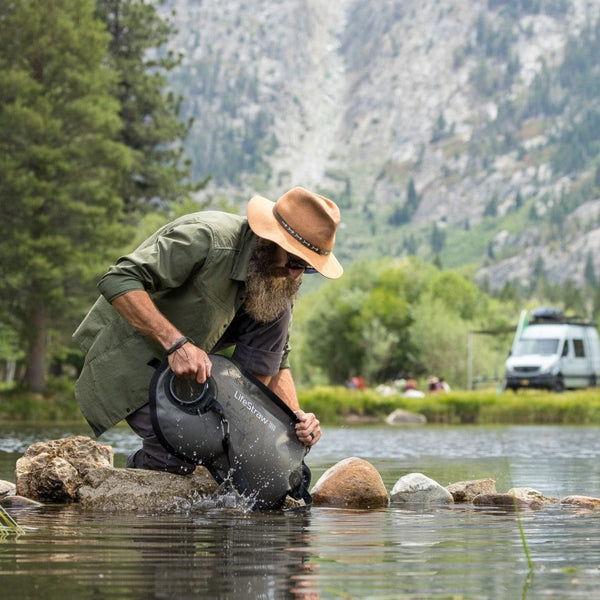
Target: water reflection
(221, 554)
(443, 552)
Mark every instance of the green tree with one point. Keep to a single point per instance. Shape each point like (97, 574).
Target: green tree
(61, 164)
(387, 316)
(150, 113)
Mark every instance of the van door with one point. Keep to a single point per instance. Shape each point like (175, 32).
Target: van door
(575, 365)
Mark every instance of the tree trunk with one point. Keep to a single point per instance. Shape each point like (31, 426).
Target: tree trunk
(35, 377)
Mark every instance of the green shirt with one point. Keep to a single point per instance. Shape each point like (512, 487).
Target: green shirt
(194, 269)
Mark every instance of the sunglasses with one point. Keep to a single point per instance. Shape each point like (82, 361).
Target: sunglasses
(296, 264)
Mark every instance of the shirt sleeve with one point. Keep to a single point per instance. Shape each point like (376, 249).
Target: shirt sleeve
(166, 260)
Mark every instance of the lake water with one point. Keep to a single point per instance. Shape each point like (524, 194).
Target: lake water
(228, 553)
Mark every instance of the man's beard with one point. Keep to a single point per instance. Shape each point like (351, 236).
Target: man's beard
(269, 287)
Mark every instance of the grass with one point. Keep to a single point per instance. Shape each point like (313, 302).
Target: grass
(335, 405)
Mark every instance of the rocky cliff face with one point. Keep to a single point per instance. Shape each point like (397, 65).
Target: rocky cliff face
(356, 98)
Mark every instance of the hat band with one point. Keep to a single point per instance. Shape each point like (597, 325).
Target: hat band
(297, 236)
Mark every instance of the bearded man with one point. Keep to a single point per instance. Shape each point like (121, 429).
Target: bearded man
(207, 281)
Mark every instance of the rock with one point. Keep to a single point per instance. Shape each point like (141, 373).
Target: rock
(139, 490)
(19, 502)
(529, 494)
(506, 501)
(351, 483)
(7, 488)
(405, 417)
(416, 488)
(581, 502)
(53, 471)
(353, 418)
(465, 491)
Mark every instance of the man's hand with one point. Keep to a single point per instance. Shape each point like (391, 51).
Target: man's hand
(308, 430)
(190, 362)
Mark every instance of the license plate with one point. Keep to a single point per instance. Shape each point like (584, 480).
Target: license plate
(524, 382)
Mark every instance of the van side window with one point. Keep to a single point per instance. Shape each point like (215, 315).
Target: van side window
(578, 347)
(565, 351)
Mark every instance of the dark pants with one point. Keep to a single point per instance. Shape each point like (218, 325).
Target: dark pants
(152, 455)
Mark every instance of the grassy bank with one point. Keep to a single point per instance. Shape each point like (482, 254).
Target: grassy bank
(337, 405)
(56, 406)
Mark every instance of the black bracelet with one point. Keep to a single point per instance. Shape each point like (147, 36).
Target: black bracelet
(180, 342)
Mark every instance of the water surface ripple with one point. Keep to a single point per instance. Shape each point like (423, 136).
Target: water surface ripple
(460, 551)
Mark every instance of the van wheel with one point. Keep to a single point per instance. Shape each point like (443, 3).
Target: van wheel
(559, 385)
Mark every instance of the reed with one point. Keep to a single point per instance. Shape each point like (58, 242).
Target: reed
(8, 526)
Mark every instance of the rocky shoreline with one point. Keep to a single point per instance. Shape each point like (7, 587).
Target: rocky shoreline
(80, 470)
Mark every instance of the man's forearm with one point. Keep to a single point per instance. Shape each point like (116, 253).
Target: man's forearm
(283, 385)
(137, 308)
(188, 360)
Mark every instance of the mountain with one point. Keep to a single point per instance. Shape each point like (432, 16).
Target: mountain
(465, 130)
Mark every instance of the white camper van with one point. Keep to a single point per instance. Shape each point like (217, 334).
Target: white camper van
(554, 352)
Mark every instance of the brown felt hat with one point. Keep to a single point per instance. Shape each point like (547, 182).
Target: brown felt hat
(303, 224)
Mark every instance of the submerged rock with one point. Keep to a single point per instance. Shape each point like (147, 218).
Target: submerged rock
(351, 483)
(138, 490)
(19, 502)
(465, 491)
(7, 488)
(581, 502)
(416, 488)
(506, 501)
(529, 494)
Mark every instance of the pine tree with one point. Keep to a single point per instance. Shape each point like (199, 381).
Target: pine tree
(61, 164)
(150, 113)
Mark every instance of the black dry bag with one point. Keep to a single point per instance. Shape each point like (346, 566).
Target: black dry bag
(236, 427)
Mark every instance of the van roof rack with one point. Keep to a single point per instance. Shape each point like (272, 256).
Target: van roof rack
(551, 314)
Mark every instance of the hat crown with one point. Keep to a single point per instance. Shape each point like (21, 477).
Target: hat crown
(310, 218)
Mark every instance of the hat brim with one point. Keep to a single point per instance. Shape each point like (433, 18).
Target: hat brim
(264, 224)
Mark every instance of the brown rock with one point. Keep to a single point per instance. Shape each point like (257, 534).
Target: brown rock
(506, 501)
(53, 471)
(351, 483)
(465, 491)
(530, 494)
(581, 502)
(138, 490)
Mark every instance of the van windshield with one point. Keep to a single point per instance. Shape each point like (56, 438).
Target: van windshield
(545, 347)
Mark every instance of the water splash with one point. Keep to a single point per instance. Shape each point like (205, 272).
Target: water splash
(225, 498)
